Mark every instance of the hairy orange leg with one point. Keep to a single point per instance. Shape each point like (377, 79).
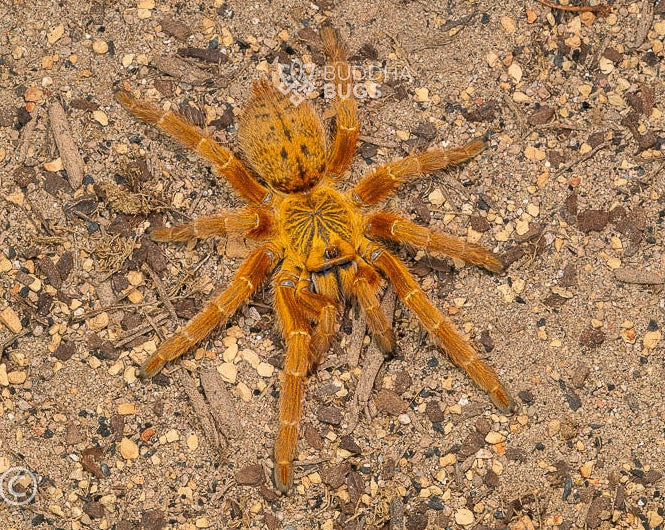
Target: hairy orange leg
(224, 161)
(379, 184)
(253, 223)
(348, 127)
(459, 350)
(297, 336)
(218, 309)
(386, 225)
(323, 309)
(364, 285)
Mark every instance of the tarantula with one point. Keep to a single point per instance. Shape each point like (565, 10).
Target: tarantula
(322, 245)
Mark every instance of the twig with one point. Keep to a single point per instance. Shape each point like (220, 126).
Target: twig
(202, 410)
(161, 291)
(69, 153)
(602, 9)
(518, 113)
(181, 70)
(356, 339)
(640, 277)
(221, 404)
(373, 362)
(581, 159)
(138, 331)
(11, 340)
(378, 142)
(646, 18)
(154, 326)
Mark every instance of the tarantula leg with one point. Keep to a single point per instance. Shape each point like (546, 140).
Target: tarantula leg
(392, 227)
(219, 309)
(253, 223)
(379, 184)
(459, 351)
(224, 161)
(348, 127)
(324, 310)
(297, 335)
(364, 286)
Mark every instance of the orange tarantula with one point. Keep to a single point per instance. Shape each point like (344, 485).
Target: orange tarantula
(322, 245)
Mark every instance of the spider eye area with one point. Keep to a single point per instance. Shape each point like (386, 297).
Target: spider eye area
(331, 252)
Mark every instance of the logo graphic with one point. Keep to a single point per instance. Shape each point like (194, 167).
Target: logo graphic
(18, 486)
(296, 80)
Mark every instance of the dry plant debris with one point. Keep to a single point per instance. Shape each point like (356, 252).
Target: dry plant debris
(579, 311)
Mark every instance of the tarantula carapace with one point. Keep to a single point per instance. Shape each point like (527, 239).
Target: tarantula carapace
(322, 245)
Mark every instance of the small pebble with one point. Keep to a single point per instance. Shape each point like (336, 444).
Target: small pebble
(193, 442)
(265, 369)
(228, 371)
(100, 47)
(128, 449)
(464, 517)
(10, 319)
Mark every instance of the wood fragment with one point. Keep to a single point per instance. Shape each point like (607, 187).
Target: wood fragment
(161, 291)
(645, 21)
(221, 402)
(69, 153)
(202, 410)
(12, 339)
(640, 277)
(181, 70)
(396, 513)
(373, 362)
(138, 331)
(355, 346)
(602, 9)
(581, 159)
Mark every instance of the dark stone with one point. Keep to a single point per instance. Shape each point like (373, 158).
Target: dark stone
(592, 338)
(349, 444)
(579, 375)
(483, 426)
(312, 436)
(491, 479)
(24, 175)
(176, 28)
(335, 476)
(91, 460)
(250, 475)
(94, 509)
(592, 220)
(117, 426)
(526, 396)
(65, 264)
(330, 415)
(479, 224)
(64, 351)
(225, 120)
(600, 509)
(541, 116)
(85, 104)
(612, 54)
(425, 130)
(403, 382)
(574, 401)
(434, 412)
(483, 113)
(388, 401)
(471, 444)
(55, 183)
(569, 276)
(153, 520)
(48, 268)
(486, 340)
(207, 55)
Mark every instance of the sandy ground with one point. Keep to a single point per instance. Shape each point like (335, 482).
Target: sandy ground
(570, 191)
